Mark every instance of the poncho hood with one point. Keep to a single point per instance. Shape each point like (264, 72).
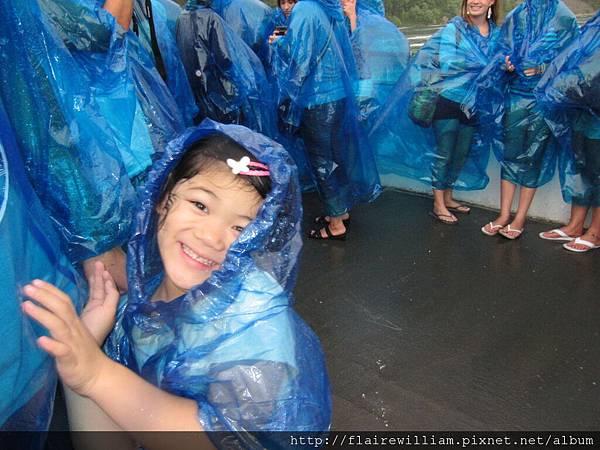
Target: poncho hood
(271, 242)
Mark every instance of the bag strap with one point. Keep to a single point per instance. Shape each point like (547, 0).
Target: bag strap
(160, 65)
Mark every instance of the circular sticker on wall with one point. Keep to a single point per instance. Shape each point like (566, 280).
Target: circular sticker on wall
(3, 182)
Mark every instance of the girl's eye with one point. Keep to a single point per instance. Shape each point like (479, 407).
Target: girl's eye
(238, 228)
(201, 206)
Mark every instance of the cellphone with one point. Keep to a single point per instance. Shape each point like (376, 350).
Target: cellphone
(280, 30)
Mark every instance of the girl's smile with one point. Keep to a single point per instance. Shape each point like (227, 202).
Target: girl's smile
(200, 220)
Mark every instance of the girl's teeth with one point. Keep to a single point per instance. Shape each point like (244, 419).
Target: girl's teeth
(188, 251)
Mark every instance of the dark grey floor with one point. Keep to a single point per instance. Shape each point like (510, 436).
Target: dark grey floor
(427, 326)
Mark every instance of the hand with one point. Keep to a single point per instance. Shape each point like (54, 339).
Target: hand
(114, 261)
(349, 8)
(509, 66)
(530, 72)
(99, 312)
(273, 38)
(79, 360)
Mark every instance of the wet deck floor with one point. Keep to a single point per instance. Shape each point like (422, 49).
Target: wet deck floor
(427, 326)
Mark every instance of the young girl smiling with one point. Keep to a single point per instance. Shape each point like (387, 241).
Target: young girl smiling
(206, 339)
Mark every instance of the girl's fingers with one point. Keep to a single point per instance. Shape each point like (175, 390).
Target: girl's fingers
(96, 284)
(112, 293)
(52, 299)
(53, 347)
(50, 321)
(41, 284)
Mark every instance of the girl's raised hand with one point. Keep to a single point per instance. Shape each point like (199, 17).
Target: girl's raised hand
(79, 360)
(99, 312)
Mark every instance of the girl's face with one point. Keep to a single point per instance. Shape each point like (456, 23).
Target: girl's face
(287, 6)
(478, 8)
(207, 213)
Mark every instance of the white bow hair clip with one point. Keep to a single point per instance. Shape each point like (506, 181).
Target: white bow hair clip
(243, 167)
(239, 166)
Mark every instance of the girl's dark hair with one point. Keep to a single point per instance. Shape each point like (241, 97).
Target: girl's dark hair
(496, 11)
(202, 156)
(279, 2)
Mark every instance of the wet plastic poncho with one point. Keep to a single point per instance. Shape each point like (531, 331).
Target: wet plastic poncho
(28, 249)
(233, 343)
(569, 93)
(317, 76)
(381, 52)
(69, 148)
(532, 35)
(105, 52)
(279, 18)
(165, 52)
(424, 131)
(228, 80)
(251, 20)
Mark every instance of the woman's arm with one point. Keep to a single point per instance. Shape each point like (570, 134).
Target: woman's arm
(129, 400)
(121, 10)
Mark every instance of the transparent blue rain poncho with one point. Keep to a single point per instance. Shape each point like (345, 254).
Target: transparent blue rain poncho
(28, 249)
(69, 150)
(89, 111)
(228, 80)
(233, 343)
(569, 93)
(251, 20)
(279, 18)
(159, 40)
(102, 49)
(381, 52)
(532, 35)
(317, 76)
(425, 130)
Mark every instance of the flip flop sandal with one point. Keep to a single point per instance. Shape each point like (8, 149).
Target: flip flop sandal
(494, 229)
(315, 233)
(589, 246)
(439, 218)
(322, 220)
(562, 236)
(507, 229)
(461, 209)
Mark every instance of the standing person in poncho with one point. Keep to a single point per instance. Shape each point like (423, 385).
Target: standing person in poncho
(570, 94)
(533, 34)
(317, 74)
(426, 131)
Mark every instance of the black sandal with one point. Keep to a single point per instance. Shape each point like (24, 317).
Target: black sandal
(315, 233)
(322, 220)
(461, 209)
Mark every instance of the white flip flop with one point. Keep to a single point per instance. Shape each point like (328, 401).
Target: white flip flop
(493, 229)
(562, 235)
(588, 244)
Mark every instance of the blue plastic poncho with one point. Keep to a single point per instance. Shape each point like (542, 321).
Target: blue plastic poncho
(165, 14)
(251, 20)
(381, 52)
(279, 18)
(117, 64)
(317, 76)
(28, 249)
(69, 148)
(425, 131)
(569, 92)
(233, 343)
(227, 78)
(533, 34)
